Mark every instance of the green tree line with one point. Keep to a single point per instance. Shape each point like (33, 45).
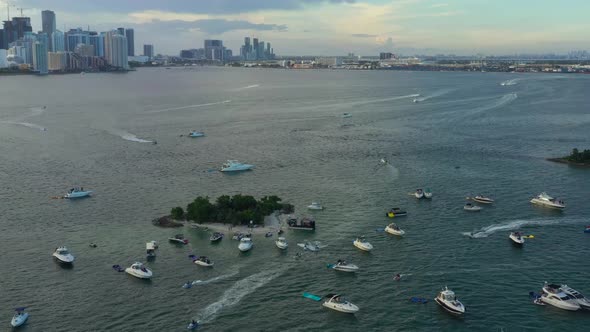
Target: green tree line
(236, 210)
(579, 157)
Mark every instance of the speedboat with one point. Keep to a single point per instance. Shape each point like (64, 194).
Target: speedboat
(346, 115)
(194, 133)
(394, 229)
(178, 238)
(281, 243)
(580, 298)
(203, 261)
(63, 255)
(517, 238)
(311, 246)
(315, 206)
(415, 100)
(139, 270)
(77, 193)
(554, 295)
(482, 199)
(343, 266)
(193, 326)
(545, 200)
(235, 166)
(305, 223)
(245, 244)
(150, 249)
(419, 193)
(447, 299)
(396, 212)
(362, 244)
(427, 193)
(383, 161)
(339, 303)
(20, 317)
(472, 208)
(587, 229)
(216, 237)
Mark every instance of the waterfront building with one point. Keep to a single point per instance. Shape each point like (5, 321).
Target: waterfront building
(40, 57)
(130, 34)
(56, 61)
(3, 58)
(84, 50)
(16, 28)
(75, 37)
(214, 49)
(148, 50)
(115, 48)
(48, 25)
(58, 41)
(97, 41)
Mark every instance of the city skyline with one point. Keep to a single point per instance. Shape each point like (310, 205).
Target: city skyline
(332, 27)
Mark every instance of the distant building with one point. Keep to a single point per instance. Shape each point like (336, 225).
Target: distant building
(259, 50)
(15, 29)
(97, 41)
(58, 41)
(115, 49)
(84, 50)
(121, 31)
(329, 61)
(74, 37)
(40, 57)
(130, 34)
(48, 25)
(214, 49)
(3, 58)
(148, 50)
(386, 56)
(255, 49)
(56, 61)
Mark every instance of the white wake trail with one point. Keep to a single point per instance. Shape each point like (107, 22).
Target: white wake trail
(25, 124)
(517, 224)
(208, 281)
(247, 87)
(129, 136)
(189, 106)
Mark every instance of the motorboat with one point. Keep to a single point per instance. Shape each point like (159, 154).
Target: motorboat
(555, 296)
(482, 199)
(343, 266)
(194, 133)
(583, 301)
(394, 229)
(447, 299)
(315, 206)
(427, 193)
(517, 238)
(340, 303)
(20, 317)
(139, 270)
(415, 100)
(245, 244)
(281, 243)
(193, 325)
(155, 244)
(547, 201)
(235, 166)
(471, 208)
(346, 115)
(383, 161)
(419, 193)
(150, 249)
(77, 193)
(203, 261)
(396, 212)
(178, 238)
(63, 255)
(305, 223)
(362, 244)
(311, 246)
(216, 237)
(587, 229)
(238, 236)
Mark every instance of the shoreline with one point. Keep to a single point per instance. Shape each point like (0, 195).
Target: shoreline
(567, 162)
(272, 223)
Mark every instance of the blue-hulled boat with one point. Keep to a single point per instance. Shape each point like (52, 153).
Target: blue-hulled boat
(235, 166)
(196, 134)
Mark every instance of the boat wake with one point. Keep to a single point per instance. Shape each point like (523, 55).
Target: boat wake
(131, 137)
(434, 95)
(237, 292)
(25, 124)
(208, 281)
(365, 102)
(248, 87)
(510, 82)
(20, 121)
(505, 99)
(189, 106)
(517, 224)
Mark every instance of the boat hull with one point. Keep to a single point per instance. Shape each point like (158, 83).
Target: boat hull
(347, 309)
(347, 268)
(516, 241)
(19, 320)
(363, 246)
(79, 194)
(394, 232)
(64, 259)
(281, 245)
(561, 304)
(483, 201)
(133, 273)
(201, 263)
(302, 228)
(548, 205)
(449, 308)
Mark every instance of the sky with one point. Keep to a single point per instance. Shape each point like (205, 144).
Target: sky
(334, 27)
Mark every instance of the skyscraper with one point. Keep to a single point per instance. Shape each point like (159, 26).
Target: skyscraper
(16, 29)
(98, 42)
(121, 31)
(148, 50)
(129, 33)
(214, 49)
(48, 24)
(75, 37)
(255, 54)
(40, 53)
(58, 41)
(115, 49)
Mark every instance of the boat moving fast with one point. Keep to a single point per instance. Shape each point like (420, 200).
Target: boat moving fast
(235, 166)
(340, 303)
(447, 299)
(517, 238)
(203, 261)
(63, 255)
(544, 200)
(482, 199)
(139, 270)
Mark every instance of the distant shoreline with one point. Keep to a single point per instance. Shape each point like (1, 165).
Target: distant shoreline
(565, 161)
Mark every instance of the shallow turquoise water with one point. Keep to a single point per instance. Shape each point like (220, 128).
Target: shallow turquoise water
(468, 135)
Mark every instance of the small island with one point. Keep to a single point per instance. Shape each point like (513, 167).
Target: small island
(576, 158)
(238, 212)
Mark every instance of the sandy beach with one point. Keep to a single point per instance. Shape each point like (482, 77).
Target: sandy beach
(272, 223)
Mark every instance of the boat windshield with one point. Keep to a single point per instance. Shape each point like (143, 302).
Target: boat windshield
(62, 251)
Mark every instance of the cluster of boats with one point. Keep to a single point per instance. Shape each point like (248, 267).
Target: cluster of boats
(423, 193)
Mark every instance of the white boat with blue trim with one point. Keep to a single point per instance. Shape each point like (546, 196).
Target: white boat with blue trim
(235, 166)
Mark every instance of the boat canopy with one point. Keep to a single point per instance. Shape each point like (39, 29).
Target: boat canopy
(20, 309)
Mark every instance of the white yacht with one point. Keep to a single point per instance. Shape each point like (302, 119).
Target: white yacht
(235, 166)
(20, 317)
(339, 303)
(343, 266)
(555, 296)
(362, 244)
(427, 193)
(63, 255)
(545, 200)
(580, 298)
(194, 133)
(245, 244)
(281, 243)
(483, 199)
(419, 193)
(447, 299)
(139, 270)
(315, 206)
(311, 246)
(394, 229)
(203, 261)
(471, 208)
(517, 238)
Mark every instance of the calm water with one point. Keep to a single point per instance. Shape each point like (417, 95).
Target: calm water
(468, 135)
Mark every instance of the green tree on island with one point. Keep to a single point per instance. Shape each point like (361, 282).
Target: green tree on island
(177, 213)
(579, 157)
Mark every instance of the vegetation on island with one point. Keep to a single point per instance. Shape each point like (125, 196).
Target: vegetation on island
(575, 158)
(236, 210)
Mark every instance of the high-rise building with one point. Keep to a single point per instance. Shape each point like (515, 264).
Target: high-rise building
(48, 25)
(58, 41)
(261, 50)
(148, 50)
(98, 42)
(40, 53)
(56, 61)
(129, 33)
(214, 49)
(121, 31)
(75, 37)
(16, 28)
(84, 50)
(3, 58)
(255, 54)
(3, 43)
(115, 49)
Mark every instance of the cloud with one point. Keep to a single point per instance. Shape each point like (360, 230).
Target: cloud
(214, 26)
(363, 35)
(439, 5)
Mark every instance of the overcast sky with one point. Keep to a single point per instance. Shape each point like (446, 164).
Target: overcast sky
(334, 27)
